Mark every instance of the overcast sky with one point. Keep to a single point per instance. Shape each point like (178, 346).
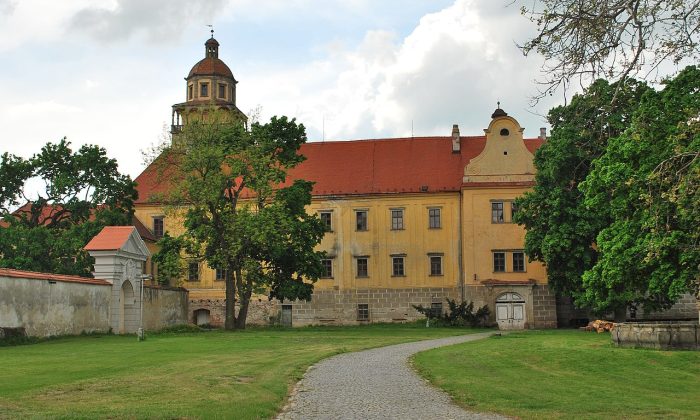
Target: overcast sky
(107, 71)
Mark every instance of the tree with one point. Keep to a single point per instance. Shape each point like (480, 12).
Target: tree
(46, 230)
(613, 39)
(560, 228)
(225, 182)
(168, 258)
(646, 183)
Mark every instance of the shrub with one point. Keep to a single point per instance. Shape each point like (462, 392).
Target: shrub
(458, 315)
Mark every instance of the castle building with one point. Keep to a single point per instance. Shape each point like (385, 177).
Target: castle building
(410, 221)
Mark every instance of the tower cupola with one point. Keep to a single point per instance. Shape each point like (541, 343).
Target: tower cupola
(210, 89)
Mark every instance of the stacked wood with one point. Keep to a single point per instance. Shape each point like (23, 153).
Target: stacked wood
(600, 326)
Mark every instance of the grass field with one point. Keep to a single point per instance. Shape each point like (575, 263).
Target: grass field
(566, 374)
(195, 375)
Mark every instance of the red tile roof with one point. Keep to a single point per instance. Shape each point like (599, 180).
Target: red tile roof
(8, 272)
(110, 238)
(380, 166)
(145, 233)
(210, 66)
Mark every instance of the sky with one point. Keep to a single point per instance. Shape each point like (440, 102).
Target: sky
(107, 72)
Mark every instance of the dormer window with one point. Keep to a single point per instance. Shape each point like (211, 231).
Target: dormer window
(204, 89)
(504, 132)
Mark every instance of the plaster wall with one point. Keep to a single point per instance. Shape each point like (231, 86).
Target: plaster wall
(47, 308)
(481, 237)
(163, 307)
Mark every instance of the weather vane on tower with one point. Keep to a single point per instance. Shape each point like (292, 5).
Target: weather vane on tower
(212, 30)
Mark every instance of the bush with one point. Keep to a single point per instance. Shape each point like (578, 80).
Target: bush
(458, 315)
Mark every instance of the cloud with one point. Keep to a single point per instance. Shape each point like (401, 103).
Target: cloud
(157, 20)
(7, 7)
(452, 68)
(34, 21)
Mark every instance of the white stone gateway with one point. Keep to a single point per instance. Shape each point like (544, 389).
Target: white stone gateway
(119, 254)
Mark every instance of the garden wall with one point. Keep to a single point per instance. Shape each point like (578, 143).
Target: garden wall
(164, 306)
(48, 304)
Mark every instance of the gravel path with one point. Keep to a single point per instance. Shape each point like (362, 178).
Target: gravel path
(375, 384)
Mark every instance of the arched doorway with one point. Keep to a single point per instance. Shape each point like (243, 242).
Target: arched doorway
(201, 316)
(128, 316)
(510, 311)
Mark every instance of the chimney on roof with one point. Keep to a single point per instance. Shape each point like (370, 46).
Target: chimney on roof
(543, 133)
(455, 138)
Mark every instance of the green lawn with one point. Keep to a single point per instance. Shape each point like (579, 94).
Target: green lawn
(194, 375)
(566, 374)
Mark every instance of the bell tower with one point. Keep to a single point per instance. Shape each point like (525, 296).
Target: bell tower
(210, 88)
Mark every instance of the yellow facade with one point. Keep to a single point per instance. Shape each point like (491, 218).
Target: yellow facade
(415, 242)
(482, 237)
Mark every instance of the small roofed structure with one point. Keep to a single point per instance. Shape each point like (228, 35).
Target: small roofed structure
(119, 254)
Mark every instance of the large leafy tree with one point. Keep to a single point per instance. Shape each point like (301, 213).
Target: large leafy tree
(561, 228)
(646, 183)
(225, 183)
(45, 228)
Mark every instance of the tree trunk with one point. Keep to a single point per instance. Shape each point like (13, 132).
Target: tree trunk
(621, 314)
(230, 315)
(243, 311)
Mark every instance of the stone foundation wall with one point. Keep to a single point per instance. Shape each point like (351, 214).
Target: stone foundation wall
(540, 308)
(333, 307)
(329, 307)
(685, 308)
(660, 335)
(261, 311)
(544, 306)
(569, 316)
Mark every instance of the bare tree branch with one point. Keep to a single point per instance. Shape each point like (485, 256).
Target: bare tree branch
(614, 39)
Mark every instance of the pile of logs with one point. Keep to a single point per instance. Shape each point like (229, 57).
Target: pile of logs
(600, 326)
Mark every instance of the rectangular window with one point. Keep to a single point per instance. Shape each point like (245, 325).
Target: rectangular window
(158, 226)
(326, 220)
(327, 269)
(434, 221)
(497, 212)
(397, 267)
(220, 274)
(436, 265)
(396, 219)
(189, 92)
(499, 261)
(436, 309)
(513, 210)
(204, 89)
(222, 91)
(361, 220)
(518, 261)
(193, 271)
(362, 267)
(362, 312)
